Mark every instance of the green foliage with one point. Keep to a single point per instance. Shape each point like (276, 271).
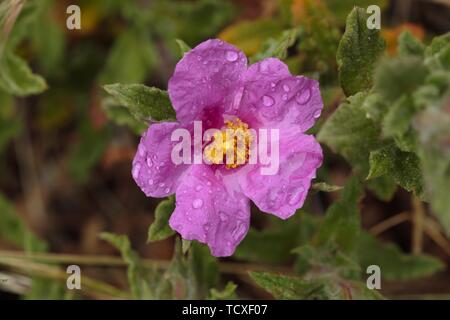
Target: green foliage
(320, 287)
(160, 229)
(351, 133)
(274, 244)
(136, 274)
(404, 167)
(394, 264)
(277, 48)
(144, 103)
(17, 78)
(342, 223)
(228, 293)
(122, 116)
(358, 51)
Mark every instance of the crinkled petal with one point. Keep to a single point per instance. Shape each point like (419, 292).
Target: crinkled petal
(285, 191)
(153, 169)
(274, 98)
(205, 77)
(209, 210)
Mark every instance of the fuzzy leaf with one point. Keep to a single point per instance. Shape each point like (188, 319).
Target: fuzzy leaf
(17, 78)
(404, 167)
(394, 264)
(358, 51)
(228, 293)
(183, 46)
(408, 44)
(341, 226)
(277, 48)
(160, 229)
(350, 133)
(145, 103)
(383, 187)
(136, 276)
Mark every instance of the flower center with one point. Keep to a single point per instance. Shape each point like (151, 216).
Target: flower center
(230, 145)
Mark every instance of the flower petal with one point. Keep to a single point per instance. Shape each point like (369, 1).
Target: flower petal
(205, 77)
(153, 169)
(210, 211)
(283, 193)
(277, 99)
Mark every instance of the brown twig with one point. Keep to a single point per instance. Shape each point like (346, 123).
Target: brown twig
(418, 219)
(389, 223)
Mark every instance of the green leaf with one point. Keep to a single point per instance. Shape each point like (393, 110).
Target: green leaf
(316, 288)
(399, 76)
(122, 116)
(17, 78)
(383, 187)
(358, 51)
(341, 226)
(277, 48)
(341, 8)
(350, 133)
(404, 167)
(145, 104)
(183, 46)
(275, 244)
(325, 187)
(228, 293)
(433, 127)
(160, 229)
(203, 268)
(289, 288)
(136, 276)
(408, 44)
(130, 60)
(394, 264)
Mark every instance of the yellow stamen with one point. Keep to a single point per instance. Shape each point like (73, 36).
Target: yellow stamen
(233, 140)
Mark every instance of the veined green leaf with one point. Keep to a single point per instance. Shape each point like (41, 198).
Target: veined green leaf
(358, 51)
(160, 229)
(145, 104)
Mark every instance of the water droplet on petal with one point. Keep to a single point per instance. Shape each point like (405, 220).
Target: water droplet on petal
(197, 203)
(317, 113)
(208, 183)
(286, 88)
(272, 84)
(284, 97)
(150, 181)
(199, 187)
(295, 196)
(223, 217)
(303, 97)
(149, 162)
(231, 55)
(136, 170)
(166, 190)
(162, 184)
(268, 101)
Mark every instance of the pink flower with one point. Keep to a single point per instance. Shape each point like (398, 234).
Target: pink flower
(211, 84)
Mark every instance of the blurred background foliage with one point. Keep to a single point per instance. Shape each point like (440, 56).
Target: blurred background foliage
(66, 146)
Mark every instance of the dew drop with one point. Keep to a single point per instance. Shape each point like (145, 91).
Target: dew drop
(198, 188)
(284, 97)
(272, 84)
(223, 217)
(197, 203)
(231, 55)
(161, 185)
(317, 113)
(295, 195)
(150, 182)
(268, 101)
(136, 170)
(149, 162)
(167, 190)
(286, 88)
(303, 97)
